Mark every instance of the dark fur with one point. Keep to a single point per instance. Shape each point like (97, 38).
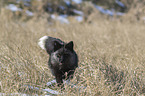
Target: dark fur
(63, 59)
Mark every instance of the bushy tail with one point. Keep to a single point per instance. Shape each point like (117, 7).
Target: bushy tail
(42, 41)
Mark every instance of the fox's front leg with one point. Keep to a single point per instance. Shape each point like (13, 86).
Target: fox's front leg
(59, 80)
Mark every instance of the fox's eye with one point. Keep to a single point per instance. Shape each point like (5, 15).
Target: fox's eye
(58, 55)
(66, 54)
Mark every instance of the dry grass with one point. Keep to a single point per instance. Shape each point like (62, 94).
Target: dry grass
(111, 56)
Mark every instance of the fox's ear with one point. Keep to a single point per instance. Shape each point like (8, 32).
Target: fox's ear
(69, 46)
(57, 45)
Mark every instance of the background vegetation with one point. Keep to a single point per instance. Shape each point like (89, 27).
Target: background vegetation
(110, 49)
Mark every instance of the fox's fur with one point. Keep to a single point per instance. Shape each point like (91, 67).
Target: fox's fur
(63, 60)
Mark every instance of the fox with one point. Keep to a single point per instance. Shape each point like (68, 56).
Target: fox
(63, 60)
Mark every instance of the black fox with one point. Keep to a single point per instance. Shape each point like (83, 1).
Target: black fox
(63, 60)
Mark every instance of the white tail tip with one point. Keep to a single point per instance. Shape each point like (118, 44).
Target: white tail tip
(41, 42)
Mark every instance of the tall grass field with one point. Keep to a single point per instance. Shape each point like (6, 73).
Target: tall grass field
(111, 57)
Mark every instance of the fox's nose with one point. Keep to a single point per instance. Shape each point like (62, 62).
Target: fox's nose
(61, 60)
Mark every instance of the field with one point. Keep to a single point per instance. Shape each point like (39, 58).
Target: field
(111, 56)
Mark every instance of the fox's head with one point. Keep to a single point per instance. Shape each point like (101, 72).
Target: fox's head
(62, 53)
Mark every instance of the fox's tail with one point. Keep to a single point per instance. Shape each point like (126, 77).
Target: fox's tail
(42, 41)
